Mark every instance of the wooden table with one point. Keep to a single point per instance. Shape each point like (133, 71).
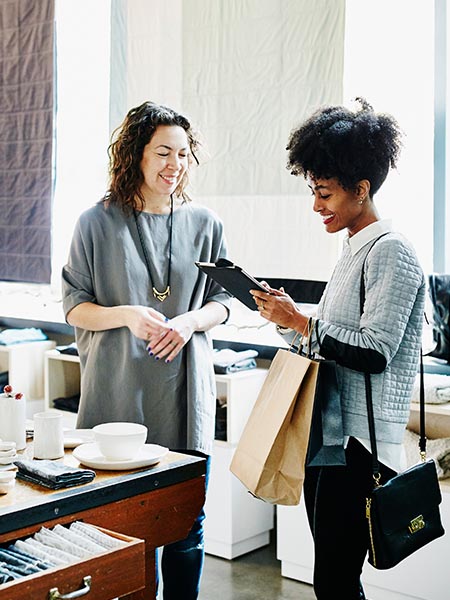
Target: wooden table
(158, 504)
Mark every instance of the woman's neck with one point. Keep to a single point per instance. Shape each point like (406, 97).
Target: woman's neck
(157, 205)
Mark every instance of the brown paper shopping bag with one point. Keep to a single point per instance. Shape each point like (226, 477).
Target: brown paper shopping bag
(270, 456)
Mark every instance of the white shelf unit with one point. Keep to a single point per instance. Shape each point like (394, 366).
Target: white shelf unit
(421, 576)
(239, 391)
(236, 522)
(62, 380)
(25, 365)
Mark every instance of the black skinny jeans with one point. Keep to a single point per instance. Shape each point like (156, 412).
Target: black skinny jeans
(335, 499)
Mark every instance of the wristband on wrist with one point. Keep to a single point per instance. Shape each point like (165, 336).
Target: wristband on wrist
(283, 330)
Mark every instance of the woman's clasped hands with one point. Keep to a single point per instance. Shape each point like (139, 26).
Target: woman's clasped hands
(165, 337)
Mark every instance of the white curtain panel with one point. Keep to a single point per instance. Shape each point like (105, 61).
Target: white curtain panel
(246, 72)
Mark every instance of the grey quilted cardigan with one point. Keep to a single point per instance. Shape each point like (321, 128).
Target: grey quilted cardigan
(384, 341)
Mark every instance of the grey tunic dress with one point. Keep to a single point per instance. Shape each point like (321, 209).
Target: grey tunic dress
(119, 380)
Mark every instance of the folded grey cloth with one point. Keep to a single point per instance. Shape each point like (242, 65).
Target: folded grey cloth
(101, 538)
(70, 349)
(4, 378)
(46, 553)
(18, 336)
(41, 564)
(230, 361)
(7, 575)
(71, 536)
(51, 474)
(50, 538)
(17, 565)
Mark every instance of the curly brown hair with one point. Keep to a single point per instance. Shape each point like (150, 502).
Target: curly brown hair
(335, 142)
(126, 150)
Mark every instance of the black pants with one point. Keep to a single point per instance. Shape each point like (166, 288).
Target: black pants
(335, 499)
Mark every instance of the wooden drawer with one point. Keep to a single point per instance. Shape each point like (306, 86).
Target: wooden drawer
(108, 575)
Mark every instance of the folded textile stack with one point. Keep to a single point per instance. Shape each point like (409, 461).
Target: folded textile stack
(52, 474)
(18, 336)
(221, 420)
(438, 450)
(53, 547)
(437, 388)
(230, 361)
(70, 404)
(71, 349)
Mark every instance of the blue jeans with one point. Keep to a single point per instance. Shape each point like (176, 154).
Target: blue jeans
(182, 561)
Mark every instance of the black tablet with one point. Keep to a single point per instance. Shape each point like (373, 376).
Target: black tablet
(234, 279)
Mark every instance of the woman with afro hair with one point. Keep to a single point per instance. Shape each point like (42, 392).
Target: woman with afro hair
(345, 157)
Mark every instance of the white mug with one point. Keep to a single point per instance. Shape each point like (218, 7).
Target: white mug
(48, 435)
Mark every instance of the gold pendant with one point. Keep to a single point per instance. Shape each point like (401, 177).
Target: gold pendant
(161, 296)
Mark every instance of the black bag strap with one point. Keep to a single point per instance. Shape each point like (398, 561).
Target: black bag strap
(369, 403)
(422, 434)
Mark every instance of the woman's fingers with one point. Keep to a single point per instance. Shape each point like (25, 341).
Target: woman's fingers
(165, 346)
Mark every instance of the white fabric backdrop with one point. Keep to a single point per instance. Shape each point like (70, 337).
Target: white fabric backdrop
(246, 73)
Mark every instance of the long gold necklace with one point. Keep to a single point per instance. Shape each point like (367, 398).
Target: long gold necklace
(161, 296)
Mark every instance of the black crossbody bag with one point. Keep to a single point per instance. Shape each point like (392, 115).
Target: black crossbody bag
(402, 514)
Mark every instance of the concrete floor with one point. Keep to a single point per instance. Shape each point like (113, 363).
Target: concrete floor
(254, 576)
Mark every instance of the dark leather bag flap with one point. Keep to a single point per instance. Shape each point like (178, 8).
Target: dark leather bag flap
(412, 493)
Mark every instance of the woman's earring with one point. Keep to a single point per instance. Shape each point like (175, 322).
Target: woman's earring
(361, 200)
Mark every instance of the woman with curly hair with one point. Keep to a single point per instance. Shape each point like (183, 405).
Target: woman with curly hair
(345, 157)
(141, 308)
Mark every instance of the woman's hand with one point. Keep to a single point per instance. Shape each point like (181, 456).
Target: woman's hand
(143, 321)
(169, 338)
(278, 307)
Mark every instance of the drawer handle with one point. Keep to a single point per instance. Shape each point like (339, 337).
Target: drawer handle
(55, 595)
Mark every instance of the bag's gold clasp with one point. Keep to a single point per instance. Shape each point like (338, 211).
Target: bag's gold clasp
(416, 524)
(377, 479)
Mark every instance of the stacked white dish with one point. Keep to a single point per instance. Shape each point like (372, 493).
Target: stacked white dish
(7, 481)
(119, 446)
(8, 452)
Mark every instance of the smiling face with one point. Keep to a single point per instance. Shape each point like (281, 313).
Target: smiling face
(340, 208)
(164, 162)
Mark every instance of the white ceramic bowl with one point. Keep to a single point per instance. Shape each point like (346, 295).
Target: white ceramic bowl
(120, 441)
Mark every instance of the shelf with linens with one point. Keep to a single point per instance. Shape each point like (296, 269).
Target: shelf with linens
(62, 380)
(236, 522)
